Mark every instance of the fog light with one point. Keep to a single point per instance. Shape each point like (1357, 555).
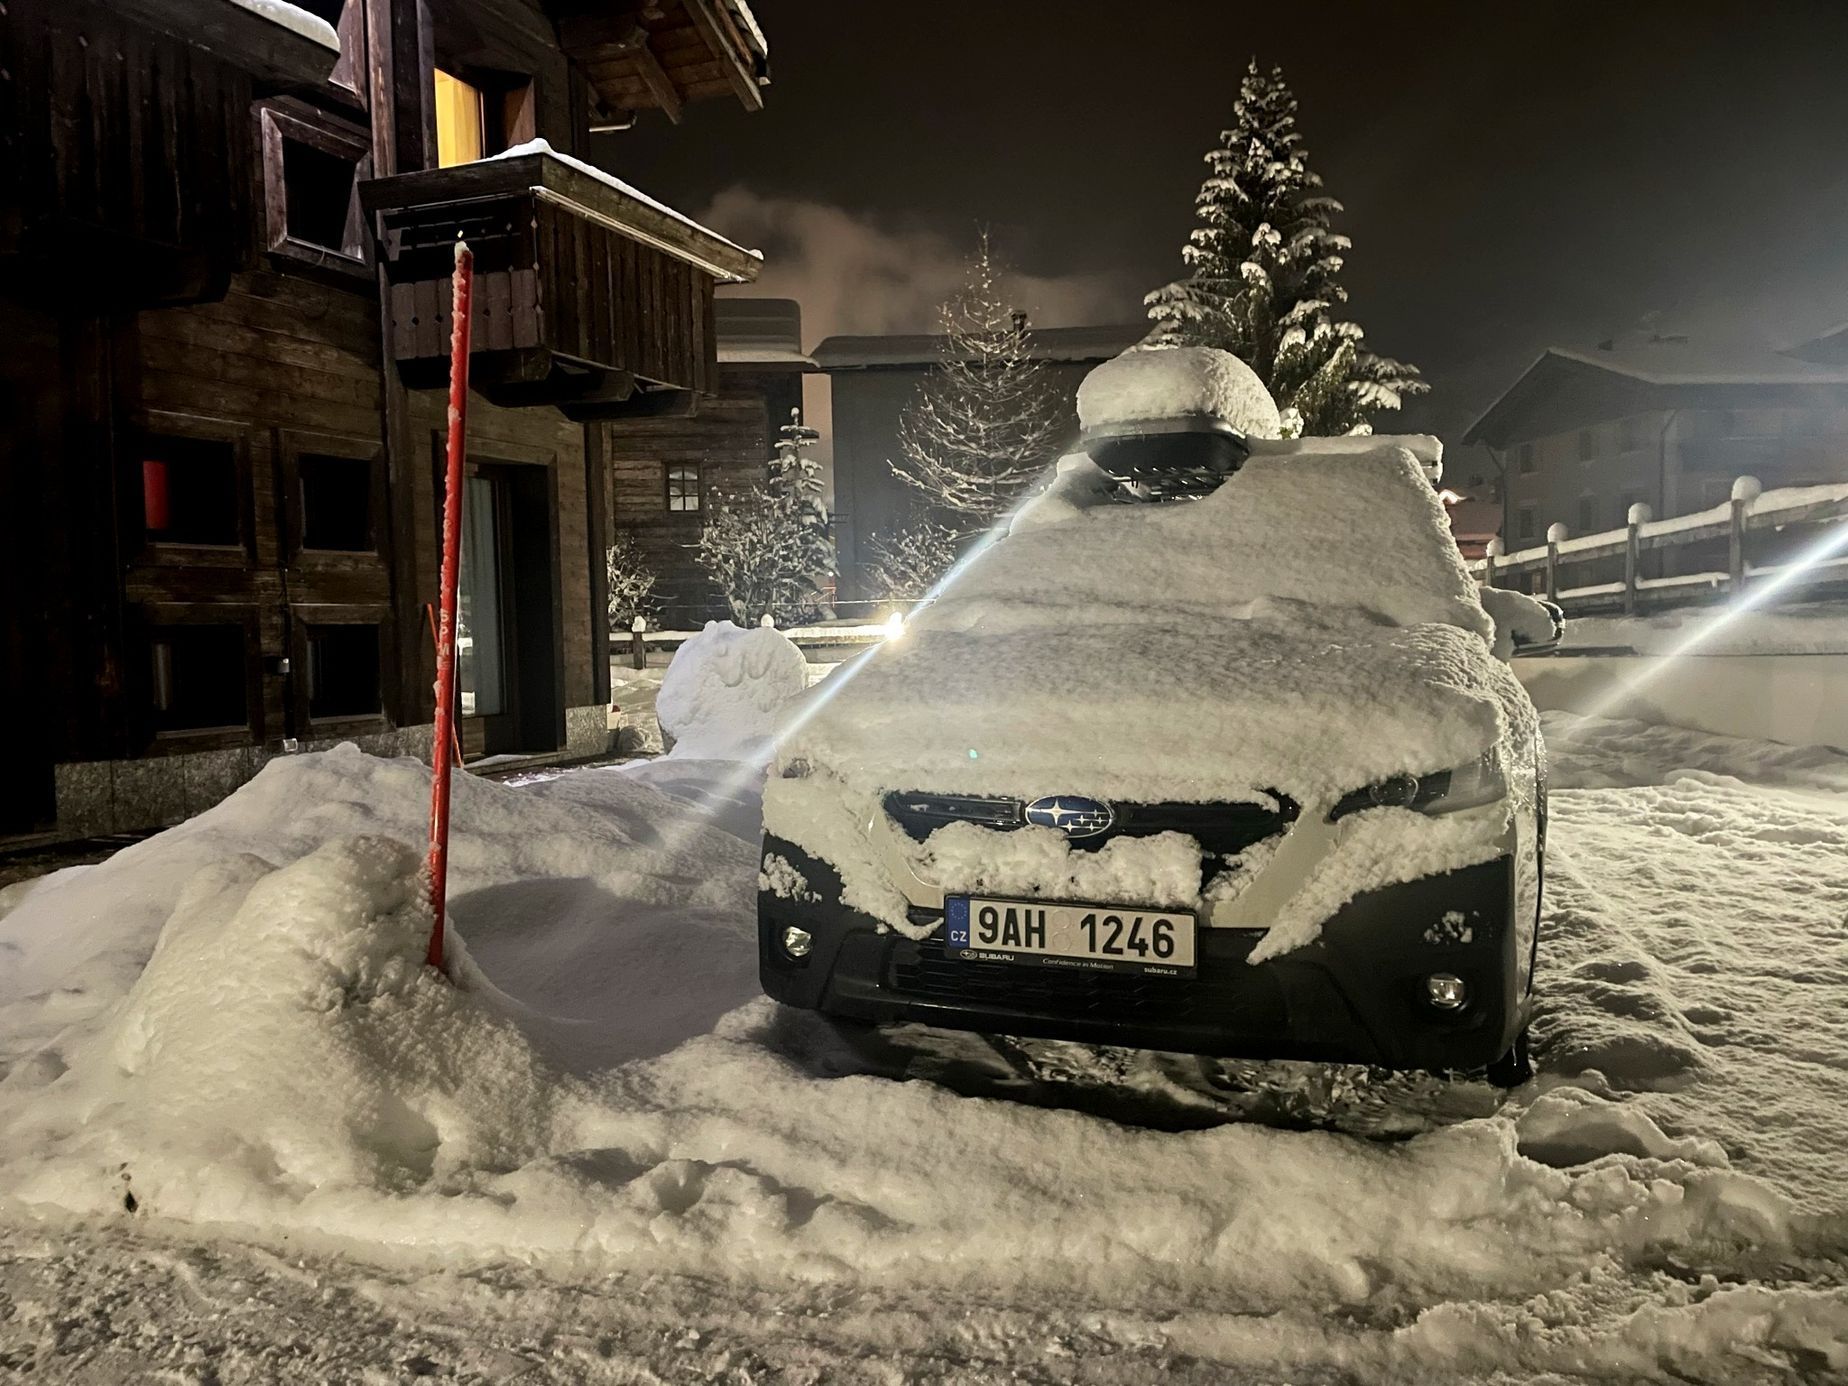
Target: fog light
(796, 943)
(1446, 991)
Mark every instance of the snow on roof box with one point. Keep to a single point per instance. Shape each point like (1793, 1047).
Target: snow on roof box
(1147, 384)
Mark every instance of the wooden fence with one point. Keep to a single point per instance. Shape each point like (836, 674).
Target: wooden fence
(1753, 520)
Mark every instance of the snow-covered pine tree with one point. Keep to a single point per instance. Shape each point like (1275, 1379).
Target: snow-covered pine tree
(985, 420)
(906, 563)
(1264, 274)
(768, 549)
(631, 583)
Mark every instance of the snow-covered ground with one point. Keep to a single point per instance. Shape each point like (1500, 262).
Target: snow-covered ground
(605, 1158)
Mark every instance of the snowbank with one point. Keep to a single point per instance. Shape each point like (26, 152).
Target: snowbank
(1146, 384)
(1804, 628)
(728, 690)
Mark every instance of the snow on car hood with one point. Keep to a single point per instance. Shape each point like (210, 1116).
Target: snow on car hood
(1212, 709)
(1308, 628)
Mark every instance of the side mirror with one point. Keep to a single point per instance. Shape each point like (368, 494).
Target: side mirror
(1524, 625)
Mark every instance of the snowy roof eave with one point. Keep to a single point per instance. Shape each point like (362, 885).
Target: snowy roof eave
(702, 247)
(272, 39)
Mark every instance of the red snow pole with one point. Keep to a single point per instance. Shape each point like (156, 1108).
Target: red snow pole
(463, 286)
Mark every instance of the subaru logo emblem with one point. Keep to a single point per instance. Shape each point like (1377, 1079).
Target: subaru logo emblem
(1071, 815)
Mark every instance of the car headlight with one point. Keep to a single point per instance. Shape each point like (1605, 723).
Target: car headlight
(1482, 781)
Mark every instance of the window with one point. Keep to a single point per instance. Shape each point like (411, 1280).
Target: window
(461, 121)
(1524, 523)
(199, 678)
(336, 500)
(683, 489)
(343, 672)
(1630, 435)
(1527, 459)
(481, 115)
(189, 491)
(312, 168)
(1587, 445)
(1588, 515)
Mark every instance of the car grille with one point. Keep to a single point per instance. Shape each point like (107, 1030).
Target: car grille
(1223, 830)
(1226, 993)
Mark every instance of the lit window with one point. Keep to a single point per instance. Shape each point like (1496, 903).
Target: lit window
(461, 121)
(683, 488)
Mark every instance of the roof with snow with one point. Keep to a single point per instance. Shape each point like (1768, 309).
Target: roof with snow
(926, 349)
(1569, 387)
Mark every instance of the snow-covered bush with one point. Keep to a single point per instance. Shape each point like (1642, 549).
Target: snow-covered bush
(906, 563)
(768, 549)
(631, 583)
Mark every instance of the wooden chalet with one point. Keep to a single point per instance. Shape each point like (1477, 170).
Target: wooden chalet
(666, 475)
(226, 229)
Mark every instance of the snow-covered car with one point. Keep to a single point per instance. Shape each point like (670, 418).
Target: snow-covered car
(1238, 773)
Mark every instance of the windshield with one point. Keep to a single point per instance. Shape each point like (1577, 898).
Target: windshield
(1302, 528)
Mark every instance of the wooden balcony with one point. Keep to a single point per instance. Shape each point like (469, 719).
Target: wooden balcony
(588, 296)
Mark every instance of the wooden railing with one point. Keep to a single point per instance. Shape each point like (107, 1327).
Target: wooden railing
(1750, 518)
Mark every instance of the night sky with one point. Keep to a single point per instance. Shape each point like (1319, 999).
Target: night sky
(1514, 176)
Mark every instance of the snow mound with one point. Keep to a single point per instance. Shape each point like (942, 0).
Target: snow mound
(1148, 383)
(287, 1035)
(1569, 1126)
(728, 690)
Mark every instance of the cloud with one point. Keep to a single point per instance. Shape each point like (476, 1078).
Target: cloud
(854, 275)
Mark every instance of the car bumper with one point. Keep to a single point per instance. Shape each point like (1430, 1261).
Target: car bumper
(1355, 995)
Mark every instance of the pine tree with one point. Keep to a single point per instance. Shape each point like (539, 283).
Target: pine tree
(1264, 274)
(985, 420)
(768, 549)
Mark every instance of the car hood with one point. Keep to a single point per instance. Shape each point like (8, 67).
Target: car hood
(1277, 698)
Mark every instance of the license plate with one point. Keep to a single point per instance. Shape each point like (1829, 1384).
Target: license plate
(1101, 938)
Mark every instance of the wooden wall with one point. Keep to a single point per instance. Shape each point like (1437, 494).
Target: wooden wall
(730, 440)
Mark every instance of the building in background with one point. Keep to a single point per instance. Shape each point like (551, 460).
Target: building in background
(665, 474)
(226, 232)
(871, 380)
(1583, 435)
